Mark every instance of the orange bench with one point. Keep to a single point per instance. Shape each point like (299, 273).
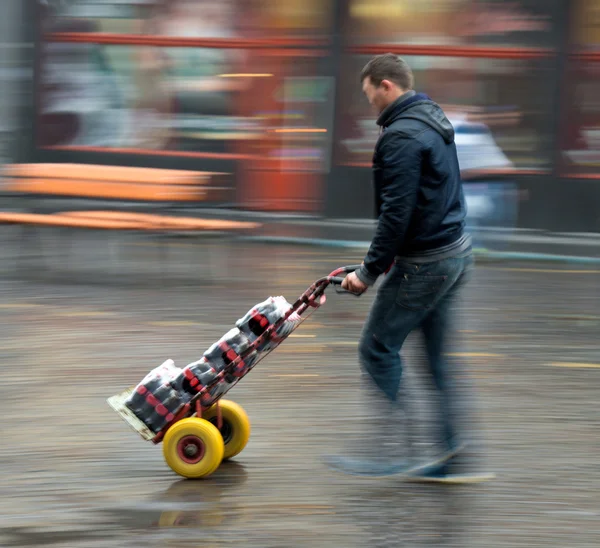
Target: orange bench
(114, 182)
(125, 184)
(122, 184)
(66, 221)
(160, 222)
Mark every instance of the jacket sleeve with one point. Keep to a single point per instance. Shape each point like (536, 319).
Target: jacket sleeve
(401, 174)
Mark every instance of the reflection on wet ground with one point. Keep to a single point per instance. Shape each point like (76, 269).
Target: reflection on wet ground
(74, 475)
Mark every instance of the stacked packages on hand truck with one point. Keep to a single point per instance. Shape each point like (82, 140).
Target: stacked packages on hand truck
(164, 391)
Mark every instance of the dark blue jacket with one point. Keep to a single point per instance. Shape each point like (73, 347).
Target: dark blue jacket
(418, 191)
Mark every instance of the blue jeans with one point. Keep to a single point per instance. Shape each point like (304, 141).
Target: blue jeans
(416, 296)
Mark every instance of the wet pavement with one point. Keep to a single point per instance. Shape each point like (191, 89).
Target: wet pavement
(90, 325)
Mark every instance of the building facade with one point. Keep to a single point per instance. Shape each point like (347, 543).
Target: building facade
(269, 92)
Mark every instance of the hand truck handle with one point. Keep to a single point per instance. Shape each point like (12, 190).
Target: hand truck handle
(351, 268)
(338, 280)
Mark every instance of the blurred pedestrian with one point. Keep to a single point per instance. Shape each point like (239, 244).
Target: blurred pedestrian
(425, 256)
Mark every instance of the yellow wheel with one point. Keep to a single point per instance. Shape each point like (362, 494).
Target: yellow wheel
(235, 427)
(193, 448)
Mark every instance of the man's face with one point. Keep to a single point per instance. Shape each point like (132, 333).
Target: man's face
(378, 96)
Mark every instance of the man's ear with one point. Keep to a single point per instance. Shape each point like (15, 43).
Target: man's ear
(385, 85)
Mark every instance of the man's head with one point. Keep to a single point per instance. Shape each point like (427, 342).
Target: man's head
(385, 78)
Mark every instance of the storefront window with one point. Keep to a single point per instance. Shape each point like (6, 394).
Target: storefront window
(581, 152)
(186, 99)
(195, 18)
(453, 22)
(141, 97)
(581, 122)
(200, 99)
(586, 27)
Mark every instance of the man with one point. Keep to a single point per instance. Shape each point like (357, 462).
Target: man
(421, 250)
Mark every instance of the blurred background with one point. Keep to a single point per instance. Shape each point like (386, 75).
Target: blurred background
(167, 164)
(268, 92)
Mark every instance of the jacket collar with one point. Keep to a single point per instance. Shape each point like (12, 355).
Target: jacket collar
(390, 112)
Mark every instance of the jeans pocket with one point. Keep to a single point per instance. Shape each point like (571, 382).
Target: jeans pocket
(419, 291)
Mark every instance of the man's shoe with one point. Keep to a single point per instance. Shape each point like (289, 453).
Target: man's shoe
(452, 471)
(380, 469)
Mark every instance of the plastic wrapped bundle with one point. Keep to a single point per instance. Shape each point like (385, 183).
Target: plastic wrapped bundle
(201, 374)
(264, 315)
(194, 376)
(166, 389)
(229, 349)
(155, 401)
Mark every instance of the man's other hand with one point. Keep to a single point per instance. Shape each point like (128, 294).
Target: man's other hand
(353, 284)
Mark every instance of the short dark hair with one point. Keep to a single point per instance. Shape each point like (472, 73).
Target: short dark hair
(388, 67)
